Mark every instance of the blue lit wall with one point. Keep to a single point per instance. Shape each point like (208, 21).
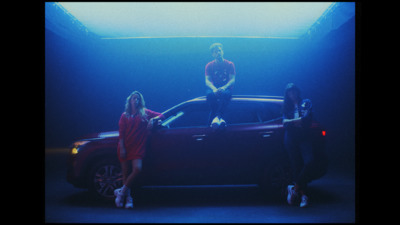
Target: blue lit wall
(86, 82)
(138, 19)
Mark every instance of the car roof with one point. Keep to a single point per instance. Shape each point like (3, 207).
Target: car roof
(246, 97)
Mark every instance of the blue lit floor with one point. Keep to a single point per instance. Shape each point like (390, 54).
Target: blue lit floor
(333, 200)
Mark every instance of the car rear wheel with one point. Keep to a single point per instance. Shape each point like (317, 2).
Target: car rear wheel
(104, 178)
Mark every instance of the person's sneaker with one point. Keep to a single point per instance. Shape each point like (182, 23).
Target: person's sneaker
(119, 198)
(304, 201)
(128, 202)
(222, 123)
(292, 194)
(215, 123)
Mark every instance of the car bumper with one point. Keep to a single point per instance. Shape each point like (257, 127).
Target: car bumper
(72, 177)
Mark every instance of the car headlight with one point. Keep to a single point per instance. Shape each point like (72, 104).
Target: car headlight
(76, 146)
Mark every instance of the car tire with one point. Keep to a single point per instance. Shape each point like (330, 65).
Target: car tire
(104, 177)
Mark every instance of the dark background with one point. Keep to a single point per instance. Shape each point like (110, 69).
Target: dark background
(87, 81)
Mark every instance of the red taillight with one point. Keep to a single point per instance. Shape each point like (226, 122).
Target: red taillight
(323, 133)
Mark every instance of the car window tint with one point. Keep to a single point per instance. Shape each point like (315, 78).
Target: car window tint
(270, 111)
(242, 112)
(195, 114)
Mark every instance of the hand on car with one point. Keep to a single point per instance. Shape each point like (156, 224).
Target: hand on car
(297, 122)
(150, 124)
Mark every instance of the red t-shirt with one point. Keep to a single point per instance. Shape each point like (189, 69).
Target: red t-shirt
(219, 72)
(133, 129)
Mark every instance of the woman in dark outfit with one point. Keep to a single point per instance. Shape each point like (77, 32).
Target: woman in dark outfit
(297, 118)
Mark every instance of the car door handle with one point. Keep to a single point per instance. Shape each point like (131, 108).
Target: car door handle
(266, 134)
(199, 137)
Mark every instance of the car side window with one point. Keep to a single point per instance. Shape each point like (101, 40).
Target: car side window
(270, 111)
(193, 115)
(242, 112)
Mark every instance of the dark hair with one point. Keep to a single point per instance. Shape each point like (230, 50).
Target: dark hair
(288, 104)
(215, 45)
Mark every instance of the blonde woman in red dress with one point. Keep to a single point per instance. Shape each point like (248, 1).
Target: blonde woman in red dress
(134, 125)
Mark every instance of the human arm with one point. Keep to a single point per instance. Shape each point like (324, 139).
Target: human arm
(306, 112)
(122, 150)
(306, 116)
(121, 142)
(210, 84)
(296, 122)
(232, 77)
(230, 83)
(150, 124)
(154, 116)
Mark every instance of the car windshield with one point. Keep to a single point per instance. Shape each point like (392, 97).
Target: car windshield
(172, 118)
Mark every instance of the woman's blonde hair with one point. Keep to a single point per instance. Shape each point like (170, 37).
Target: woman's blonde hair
(141, 106)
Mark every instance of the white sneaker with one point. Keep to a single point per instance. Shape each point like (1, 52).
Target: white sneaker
(222, 123)
(292, 194)
(215, 123)
(128, 202)
(304, 201)
(119, 198)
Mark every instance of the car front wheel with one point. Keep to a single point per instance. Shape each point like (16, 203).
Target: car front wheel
(104, 177)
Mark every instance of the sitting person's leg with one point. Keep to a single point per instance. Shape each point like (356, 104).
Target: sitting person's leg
(213, 102)
(225, 98)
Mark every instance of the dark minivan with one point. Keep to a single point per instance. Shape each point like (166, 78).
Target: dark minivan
(185, 150)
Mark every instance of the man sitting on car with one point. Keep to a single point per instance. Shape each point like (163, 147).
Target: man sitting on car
(220, 78)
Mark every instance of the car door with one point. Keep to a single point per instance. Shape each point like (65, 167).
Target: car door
(175, 153)
(239, 151)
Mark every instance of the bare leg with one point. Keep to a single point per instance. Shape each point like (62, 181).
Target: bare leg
(136, 169)
(125, 167)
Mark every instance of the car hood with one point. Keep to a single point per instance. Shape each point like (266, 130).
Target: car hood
(108, 134)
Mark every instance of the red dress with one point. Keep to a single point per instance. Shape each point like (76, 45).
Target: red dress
(133, 129)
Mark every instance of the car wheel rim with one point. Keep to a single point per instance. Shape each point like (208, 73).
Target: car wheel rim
(106, 179)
